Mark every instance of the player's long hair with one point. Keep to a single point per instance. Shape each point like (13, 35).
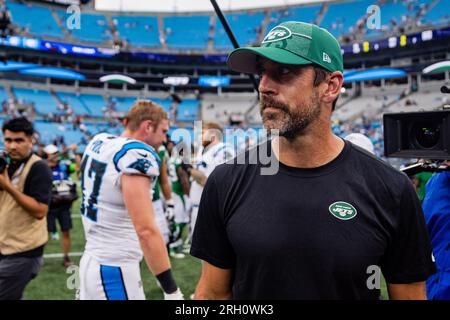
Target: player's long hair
(143, 110)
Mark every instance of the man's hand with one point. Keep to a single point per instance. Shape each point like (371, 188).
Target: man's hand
(32, 206)
(5, 182)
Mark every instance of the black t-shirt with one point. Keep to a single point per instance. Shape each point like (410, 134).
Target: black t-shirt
(313, 233)
(39, 181)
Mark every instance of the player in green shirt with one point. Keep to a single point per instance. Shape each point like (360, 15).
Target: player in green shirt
(180, 195)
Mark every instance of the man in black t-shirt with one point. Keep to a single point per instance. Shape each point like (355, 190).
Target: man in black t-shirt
(25, 191)
(332, 218)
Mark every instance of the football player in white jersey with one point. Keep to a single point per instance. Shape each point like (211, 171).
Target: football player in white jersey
(118, 173)
(214, 152)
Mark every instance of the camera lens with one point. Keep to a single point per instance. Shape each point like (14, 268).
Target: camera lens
(426, 135)
(3, 164)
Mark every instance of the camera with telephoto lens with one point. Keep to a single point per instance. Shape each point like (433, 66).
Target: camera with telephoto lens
(3, 161)
(419, 135)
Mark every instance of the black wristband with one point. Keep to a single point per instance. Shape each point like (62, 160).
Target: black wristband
(167, 281)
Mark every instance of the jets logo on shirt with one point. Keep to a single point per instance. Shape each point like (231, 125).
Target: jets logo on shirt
(342, 210)
(141, 165)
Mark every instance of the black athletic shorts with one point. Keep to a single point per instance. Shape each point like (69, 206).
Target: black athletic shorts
(62, 214)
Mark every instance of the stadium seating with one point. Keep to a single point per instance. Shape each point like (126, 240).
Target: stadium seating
(42, 100)
(40, 22)
(94, 28)
(342, 16)
(138, 31)
(188, 110)
(94, 103)
(438, 15)
(219, 110)
(166, 104)
(245, 27)
(304, 13)
(122, 104)
(74, 102)
(186, 32)
(3, 97)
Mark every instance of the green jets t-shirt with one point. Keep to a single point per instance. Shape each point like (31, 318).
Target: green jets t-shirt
(162, 155)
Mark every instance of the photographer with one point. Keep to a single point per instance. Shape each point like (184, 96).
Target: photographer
(25, 191)
(64, 193)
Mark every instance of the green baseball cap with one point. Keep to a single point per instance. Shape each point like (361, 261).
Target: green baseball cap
(291, 42)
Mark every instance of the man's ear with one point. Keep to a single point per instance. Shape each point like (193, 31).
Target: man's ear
(335, 82)
(147, 124)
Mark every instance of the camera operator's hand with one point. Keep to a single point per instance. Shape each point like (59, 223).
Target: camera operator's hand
(5, 182)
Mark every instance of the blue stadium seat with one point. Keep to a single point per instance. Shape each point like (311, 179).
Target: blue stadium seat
(43, 102)
(94, 27)
(188, 110)
(166, 104)
(305, 14)
(138, 31)
(3, 97)
(122, 104)
(48, 131)
(74, 102)
(38, 20)
(392, 14)
(94, 103)
(186, 32)
(340, 17)
(245, 26)
(438, 15)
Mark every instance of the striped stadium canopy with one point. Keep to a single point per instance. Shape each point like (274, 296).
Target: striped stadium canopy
(13, 65)
(374, 74)
(53, 73)
(117, 78)
(437, 67)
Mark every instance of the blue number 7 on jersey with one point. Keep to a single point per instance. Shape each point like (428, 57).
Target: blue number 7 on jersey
(96, 171)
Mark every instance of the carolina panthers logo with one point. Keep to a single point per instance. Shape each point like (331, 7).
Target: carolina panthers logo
(141, 165)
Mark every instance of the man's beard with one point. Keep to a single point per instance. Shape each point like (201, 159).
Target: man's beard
(290, 123)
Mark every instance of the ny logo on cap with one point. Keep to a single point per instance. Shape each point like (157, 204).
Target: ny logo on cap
(277, 34)
(281, 33)
(326, 58)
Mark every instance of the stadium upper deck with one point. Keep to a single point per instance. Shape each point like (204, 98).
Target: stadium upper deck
(203, 32)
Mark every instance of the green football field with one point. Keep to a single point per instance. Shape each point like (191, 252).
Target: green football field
(54, 282)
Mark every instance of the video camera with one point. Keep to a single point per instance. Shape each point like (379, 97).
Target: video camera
(3, 161)
(419, 135)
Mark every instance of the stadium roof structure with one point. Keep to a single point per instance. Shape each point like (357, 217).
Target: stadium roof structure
(59, 73)
(13, 66)
(375, 74)
(193, 5)
(437, 67)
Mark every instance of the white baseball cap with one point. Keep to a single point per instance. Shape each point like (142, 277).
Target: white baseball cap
(361, 141)
(51, 149)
